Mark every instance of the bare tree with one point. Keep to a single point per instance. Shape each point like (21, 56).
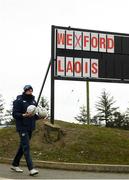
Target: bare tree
(9, 120)
(1, 109)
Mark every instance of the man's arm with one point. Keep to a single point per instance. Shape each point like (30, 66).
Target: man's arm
(17, 109)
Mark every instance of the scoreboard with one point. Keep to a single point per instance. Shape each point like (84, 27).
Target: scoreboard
(80, 54)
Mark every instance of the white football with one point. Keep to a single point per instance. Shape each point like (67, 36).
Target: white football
(42, 112)
(32, 109)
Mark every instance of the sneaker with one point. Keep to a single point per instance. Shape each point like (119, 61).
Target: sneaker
(16, 169)
(33, 172)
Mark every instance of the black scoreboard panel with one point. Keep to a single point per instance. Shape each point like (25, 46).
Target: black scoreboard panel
(111, 65)
(121, 45)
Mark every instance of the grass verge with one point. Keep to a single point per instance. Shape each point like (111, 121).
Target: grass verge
(81, 144)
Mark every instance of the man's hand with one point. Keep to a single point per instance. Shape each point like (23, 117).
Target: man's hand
(27, 114)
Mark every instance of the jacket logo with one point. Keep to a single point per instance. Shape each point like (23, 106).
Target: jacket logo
(23, 134)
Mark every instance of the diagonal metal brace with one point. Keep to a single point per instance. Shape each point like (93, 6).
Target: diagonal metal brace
(43, 82)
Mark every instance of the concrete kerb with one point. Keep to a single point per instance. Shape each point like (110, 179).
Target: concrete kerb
(74, 166)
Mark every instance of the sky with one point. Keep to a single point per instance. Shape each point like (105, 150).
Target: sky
(25, 49)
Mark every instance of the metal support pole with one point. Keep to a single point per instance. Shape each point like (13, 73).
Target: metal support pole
(52, 77)
(88, 102)
(43, 82)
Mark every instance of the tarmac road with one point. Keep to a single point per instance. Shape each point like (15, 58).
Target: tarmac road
(7, 173)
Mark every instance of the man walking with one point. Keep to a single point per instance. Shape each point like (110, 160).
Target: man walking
(25, 124)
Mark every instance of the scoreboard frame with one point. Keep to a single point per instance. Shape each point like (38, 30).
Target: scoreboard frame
(88, 55)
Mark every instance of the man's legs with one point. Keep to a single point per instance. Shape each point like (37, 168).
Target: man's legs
(24, 148)
(18, 156)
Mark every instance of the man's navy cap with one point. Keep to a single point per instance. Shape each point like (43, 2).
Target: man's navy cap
(27, 87)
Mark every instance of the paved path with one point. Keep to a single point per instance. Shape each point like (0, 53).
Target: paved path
(7, 173)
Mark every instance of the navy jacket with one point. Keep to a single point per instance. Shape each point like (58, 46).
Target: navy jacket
(20, 105)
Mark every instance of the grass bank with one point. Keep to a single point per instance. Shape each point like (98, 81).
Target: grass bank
(82, 143)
